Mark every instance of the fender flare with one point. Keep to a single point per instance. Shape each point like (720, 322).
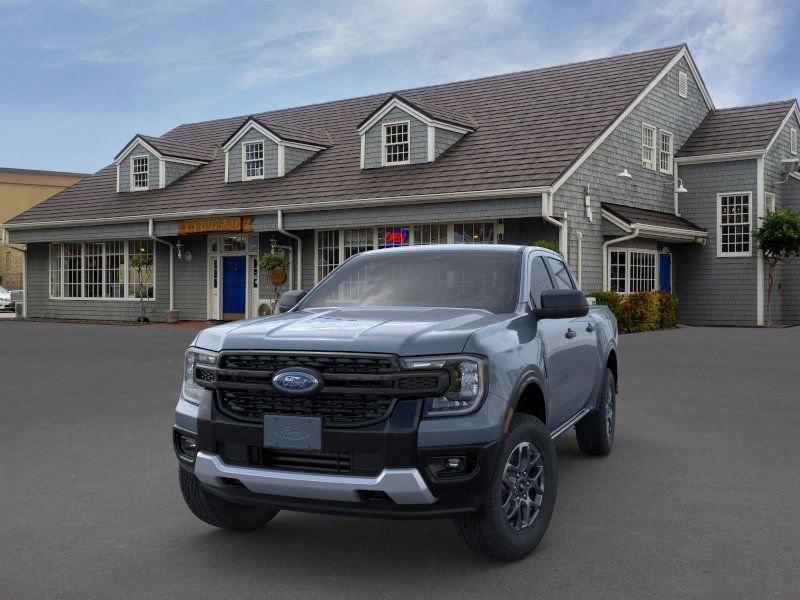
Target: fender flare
(529, 376)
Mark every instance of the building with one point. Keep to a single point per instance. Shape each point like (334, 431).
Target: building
(21, 189)
(624, 161)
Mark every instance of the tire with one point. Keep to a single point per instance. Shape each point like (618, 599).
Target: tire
(489, 531)
(595, 432)
(218, 512)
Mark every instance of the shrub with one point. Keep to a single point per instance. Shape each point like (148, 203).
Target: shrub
(640, 311)
(550, 245)
(668, 309)
(645, 310)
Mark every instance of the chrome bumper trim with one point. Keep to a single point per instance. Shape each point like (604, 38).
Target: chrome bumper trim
(404, 486)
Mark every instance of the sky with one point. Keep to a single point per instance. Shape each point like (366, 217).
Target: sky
(80, 78)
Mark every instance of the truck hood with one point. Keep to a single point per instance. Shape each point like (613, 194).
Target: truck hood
(401, 331)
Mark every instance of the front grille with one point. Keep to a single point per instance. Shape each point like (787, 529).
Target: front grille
(324, 363)
(357, 463)
(337, 410)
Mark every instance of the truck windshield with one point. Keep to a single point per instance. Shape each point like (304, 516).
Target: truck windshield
(486, 280)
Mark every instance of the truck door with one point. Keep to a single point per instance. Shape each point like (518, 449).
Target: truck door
(570, 346)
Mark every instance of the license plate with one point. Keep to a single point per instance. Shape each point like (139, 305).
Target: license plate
(294, 433)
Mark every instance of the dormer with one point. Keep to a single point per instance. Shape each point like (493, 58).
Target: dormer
(260, 150)
(149, 163)
(402, 131)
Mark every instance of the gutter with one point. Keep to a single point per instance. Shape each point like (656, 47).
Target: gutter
(152, 236)
(299, 249)
(618, 240)
(547, 211)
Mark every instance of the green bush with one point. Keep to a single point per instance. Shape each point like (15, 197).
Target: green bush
(640, 311)
(549, 244)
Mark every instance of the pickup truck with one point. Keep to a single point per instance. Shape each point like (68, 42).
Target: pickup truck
(425, 381)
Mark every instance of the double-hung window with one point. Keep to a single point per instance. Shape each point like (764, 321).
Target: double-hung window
(631, 270)
(734, 221)
(648, 146)
(665, 152)
(396, 146)
(140, 169)
(253, 153)
(102, 270)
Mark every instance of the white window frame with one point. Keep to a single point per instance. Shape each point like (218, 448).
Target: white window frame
(375, 240)
(133, 159)
(683, 84)
(649, 164)
(793, 140)
(627, 276)
(245, 177)
(105, 297)
(728, 254)
(665, 156)
(384, 147)
(769, 202)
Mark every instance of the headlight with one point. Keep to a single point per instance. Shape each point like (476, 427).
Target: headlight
(467, 383)
(191, 391)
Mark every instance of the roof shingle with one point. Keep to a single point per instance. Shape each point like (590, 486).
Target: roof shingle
(631, 215)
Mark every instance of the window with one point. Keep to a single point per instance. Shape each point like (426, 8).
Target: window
(140, 282)
(733, 224)
(395, 144)
(234, 243)
(561, 277)
(425, 235)
(253, 153)
(358, 240)
(140, 166)
(769, 199)
(473, 233)
(648, 146)
(327, 252)
(793, 140)
(540, 279)
(97, 270)
(632, 271)
(683, 84)
(665, 152)
(393, 237)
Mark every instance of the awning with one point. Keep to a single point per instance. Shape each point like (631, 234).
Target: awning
(653, 224)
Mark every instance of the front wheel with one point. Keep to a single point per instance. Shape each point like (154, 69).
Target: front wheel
(517, 508)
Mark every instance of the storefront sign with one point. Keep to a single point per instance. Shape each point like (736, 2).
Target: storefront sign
(215, 224)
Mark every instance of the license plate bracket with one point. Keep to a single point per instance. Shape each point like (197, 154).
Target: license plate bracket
(292, 433)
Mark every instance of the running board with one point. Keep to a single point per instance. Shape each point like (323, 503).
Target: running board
(581, 413)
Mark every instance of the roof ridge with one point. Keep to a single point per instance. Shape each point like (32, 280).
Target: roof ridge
(759, 105)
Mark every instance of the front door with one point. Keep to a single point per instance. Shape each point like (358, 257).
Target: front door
(234, 276)
(665, 272)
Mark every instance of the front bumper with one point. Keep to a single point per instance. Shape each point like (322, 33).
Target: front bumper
(388, 473)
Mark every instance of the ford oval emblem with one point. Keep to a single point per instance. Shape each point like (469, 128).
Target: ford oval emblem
(296, 382)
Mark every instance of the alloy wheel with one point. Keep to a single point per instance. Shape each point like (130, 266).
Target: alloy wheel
(522, 486)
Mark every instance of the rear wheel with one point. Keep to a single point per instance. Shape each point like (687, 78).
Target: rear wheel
(517, 508)
(218, 512)
(595, 432)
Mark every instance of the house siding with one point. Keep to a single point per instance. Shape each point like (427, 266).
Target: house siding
(270, 156)
(418, 139)
(124, 168)
(66, 234)
(648, 189)
(174, 171)
(790, 272)
(294, 157)
(715, 290)
(443, 139)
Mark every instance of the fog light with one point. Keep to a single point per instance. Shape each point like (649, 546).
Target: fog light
(187, 446)
(452, 466)
(455, 463)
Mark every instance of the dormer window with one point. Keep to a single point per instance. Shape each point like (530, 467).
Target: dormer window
(253, 153)
(396, 148)
(140, 170)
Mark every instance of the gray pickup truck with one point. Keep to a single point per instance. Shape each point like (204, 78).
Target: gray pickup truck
(411, 382)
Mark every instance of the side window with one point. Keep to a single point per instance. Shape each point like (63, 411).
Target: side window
(561, 277)
(540, 279)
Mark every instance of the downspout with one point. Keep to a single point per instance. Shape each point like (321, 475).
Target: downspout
(547, 211)
(580, 258)
(281, 230)
(5, 238)
(618, 240)
(675, 187)
(152, 236)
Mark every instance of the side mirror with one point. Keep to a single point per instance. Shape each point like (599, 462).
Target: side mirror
(562, 304)
(289, 299)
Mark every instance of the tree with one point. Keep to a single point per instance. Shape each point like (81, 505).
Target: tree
(779, 239)
(550, 245)
(276, 266)
(142, 265)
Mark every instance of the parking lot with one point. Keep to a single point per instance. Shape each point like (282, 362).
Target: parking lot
(698, 500)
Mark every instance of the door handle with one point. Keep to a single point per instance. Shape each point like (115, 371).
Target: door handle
(590, 327)
(570, 334)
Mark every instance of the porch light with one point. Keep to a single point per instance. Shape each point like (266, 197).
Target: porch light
(625, 174)
(680, 189)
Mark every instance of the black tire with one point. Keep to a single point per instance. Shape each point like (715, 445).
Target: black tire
(595, 432)
(489, 531)
(218, 512)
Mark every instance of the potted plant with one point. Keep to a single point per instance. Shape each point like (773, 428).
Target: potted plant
(277, 266)
(142, 265)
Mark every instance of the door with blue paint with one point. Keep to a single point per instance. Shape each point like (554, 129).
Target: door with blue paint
(234, 277)
(665, 272)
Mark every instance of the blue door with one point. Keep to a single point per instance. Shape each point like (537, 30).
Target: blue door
(665, 272)
(233, 284)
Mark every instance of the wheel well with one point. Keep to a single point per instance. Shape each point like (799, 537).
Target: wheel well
(612, 364)
(531, 402)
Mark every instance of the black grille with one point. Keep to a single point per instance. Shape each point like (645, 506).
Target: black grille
(367, 365)
(337, 410)
(357, 463)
